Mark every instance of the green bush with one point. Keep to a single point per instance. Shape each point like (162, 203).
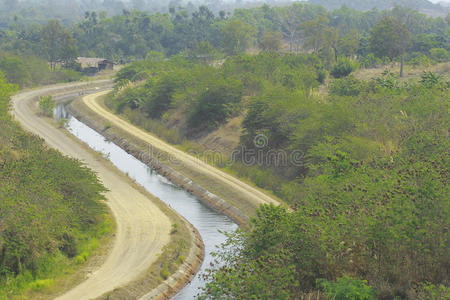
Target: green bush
(371, 61)
(40, 284)
(216, 104)
(343, 67)
(347, 288)
(51, 207)
(321, 76)
(164, 272)
(417, 59)
(46, 104)
(430, 80)
(348, 86)
(387, 80)
(432, 292)
(439, 55)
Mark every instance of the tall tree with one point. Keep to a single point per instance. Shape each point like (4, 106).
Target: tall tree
(270, 41)
(389, 38)
(57, 44)
(237, 36)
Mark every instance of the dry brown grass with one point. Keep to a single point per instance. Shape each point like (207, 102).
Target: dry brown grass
(410, 72)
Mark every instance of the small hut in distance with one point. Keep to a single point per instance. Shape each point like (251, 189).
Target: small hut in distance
(93, 65)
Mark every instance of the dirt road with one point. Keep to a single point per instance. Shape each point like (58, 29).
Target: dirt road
(142, 228)
(252, 194)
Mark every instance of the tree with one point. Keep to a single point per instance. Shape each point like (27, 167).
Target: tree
(270, 41)
(321, 38)
(289, 23)
(237, 37)
(15, 70)
(389, 38)
(348, 44)
(216, 104)
(57, 44)
(343, 67)
(46, 104)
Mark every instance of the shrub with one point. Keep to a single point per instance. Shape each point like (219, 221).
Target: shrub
(418, 59)
(371, 61)
(40, 284)
(46, 104)
(430, 80)
(216, 104)
(433, 292)
(439, 54)
(347, 288)
(348, 86)
(321, 76)
(165, 273)
(174, 228)
(343, 68)
(387, 80)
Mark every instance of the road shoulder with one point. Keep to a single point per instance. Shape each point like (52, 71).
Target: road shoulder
(144, 262)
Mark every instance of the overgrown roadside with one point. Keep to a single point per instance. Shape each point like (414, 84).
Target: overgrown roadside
(239, 200)
(146, 257)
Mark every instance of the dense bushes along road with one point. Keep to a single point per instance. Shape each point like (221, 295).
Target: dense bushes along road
(370, 198)
(51, 209)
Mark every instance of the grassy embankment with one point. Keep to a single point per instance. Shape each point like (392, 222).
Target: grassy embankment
(223, 191)
(175, 253)
(215, 146)
(65, 252)
(52, 214)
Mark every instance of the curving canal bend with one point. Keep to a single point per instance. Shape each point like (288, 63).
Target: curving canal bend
(207, 221)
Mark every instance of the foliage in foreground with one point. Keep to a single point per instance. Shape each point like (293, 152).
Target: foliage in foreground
(51, 210)
(372, 202)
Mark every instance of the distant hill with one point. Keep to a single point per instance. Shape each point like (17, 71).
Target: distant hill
(424, 6)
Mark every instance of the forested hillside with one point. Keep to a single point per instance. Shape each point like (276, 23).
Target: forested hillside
(295, 28)
(51, 210)
(366, 171)
(363, 163)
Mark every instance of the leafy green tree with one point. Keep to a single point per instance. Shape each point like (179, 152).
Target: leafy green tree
(322, 39)
(161, 94)
(439, 54)
(57, 44)
(15, 70)
(46, 104)
(389, 38)
(270, 41)
(237, 37)
(343, 67)
(348, 44)
(219, 101)
(348, 86)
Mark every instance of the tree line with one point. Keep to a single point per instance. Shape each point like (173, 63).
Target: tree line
(298, 27)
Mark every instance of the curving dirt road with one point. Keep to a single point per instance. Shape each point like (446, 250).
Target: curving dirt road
(142, 228)
(252, 194)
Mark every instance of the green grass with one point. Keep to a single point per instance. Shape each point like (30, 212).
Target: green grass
(56, 268)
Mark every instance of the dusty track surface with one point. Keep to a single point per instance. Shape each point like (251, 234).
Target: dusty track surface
(142, 228)
(252, 194)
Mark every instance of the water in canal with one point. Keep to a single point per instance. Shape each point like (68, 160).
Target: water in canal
(207, 221)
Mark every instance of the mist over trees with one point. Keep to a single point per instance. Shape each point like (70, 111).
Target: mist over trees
(69, 11)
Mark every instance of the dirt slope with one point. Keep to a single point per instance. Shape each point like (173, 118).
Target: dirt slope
(142, 228)
(252, 194)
